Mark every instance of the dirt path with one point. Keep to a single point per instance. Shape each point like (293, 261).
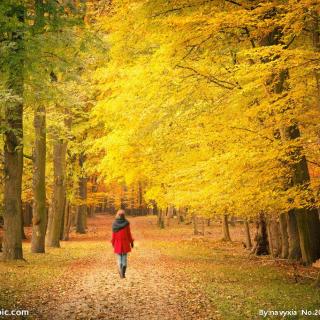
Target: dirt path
(155, 288)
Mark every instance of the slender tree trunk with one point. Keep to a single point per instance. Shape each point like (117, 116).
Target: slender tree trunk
(63, 219)
(195, 224)
(160, 218)
(226, 232)
(82, 208)
(140, 199)
(67, 221)
(270, 242)
(13, 145)
(59, 191)
(247, 233)
(284, 236)
(23, 235)
(39, 221)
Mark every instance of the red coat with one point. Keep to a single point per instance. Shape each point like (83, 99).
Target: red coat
(121, 240)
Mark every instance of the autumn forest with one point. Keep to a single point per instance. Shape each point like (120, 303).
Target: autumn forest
(198, 118)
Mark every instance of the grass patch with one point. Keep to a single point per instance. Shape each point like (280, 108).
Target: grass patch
(237, 286)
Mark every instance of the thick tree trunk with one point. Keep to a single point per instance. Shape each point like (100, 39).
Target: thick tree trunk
(284, 236)
(307, 219)
(59, 192)
(293, 236)
(39, 221)
(226, 232)
(27, 218)
(247, 233)
(307, 222)
(274, 238)
(309, 234)
(261, 238)
(13, 145)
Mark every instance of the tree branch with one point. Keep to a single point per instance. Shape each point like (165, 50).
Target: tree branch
(252, 131)
(28, 157)
(221, 83)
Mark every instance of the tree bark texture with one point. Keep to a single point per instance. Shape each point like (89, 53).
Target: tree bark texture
(39, 220)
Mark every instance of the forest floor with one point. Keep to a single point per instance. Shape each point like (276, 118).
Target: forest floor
(171, 275)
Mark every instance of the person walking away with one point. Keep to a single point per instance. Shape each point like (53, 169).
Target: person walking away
(122, 241)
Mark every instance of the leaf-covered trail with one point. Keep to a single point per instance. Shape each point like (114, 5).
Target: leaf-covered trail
(155, 286)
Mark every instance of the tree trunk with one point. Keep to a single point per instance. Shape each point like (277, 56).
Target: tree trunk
(181, 215)
(140, 199)
(82, 208)
(261, 238)
(293, 236)
(23, 235)
(59, 192)
(195, 224)
(309, 234)
(226, 232)
(284, 236)
(67, 221)
(170, 211)
(248, 236)
(307, 219)
(63, 219)
(39, 221)
(307, 222)
(13, 144)
(274, 238)
(27, 219)
(160, 218)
